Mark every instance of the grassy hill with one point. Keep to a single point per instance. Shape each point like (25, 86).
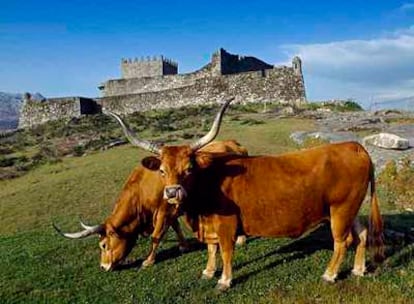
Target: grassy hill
(37, 265)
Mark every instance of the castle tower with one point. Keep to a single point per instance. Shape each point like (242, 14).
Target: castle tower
(224, 63)
(297, 65)
(148, 67)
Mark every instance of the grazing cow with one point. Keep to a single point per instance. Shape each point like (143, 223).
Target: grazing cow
(272, 196)
(141, 210)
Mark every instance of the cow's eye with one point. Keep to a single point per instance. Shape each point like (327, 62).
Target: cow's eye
(103, 246)
(188, 171)
(162, 172)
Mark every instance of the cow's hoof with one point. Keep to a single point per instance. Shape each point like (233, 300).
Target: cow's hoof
(241, 240)
(148, 263)
(207, 275)
(222, 287)
(358, 272)
(329, 278)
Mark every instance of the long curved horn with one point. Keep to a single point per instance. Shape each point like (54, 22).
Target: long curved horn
(133, 139)
(81, 234)
(87, 227)
(209, 137)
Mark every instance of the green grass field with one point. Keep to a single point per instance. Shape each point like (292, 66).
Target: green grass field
(39, 266)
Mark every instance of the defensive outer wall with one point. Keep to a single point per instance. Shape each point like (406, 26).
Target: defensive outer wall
(154, 83)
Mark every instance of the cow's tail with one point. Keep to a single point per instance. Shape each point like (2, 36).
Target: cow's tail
(375, 236)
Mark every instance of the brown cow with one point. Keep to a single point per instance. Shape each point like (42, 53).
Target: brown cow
(141, 210)
(272, 196)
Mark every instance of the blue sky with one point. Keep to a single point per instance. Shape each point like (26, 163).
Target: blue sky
(350, 49)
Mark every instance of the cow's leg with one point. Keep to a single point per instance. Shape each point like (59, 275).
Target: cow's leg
(360, 233)
(160, 228)
(210, 270)
(342, 236)
(226, 231)
(182, 242)
(226, 248)
(150, 260)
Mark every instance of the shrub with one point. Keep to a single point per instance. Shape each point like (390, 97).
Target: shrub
(6, 161)
(348, 105)
(47, 154)
(186, 135)
(251, 122)
(397, 183)
(351, 105)
(247, 108)
(79, 150)
(6, 150)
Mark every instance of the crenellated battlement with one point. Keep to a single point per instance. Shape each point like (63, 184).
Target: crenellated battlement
(148, 59)
(148, 67)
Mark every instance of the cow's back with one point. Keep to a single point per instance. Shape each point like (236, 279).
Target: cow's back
(225, 146)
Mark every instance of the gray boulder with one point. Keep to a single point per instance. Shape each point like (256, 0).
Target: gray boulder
(387, 141)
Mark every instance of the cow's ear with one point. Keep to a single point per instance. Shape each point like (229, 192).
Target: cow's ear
(151, 163)
(203, 160)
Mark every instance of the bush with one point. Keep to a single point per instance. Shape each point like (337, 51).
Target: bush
(351, 105)
(397, 183)
(337, 105)
(8, 161)
(78, 150)
(6, 150)
(251, 122)
(47, 154)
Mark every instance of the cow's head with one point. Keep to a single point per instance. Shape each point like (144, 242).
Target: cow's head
(114, 245)
(176, 164)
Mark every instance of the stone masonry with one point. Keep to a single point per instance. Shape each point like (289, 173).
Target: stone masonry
(34, 112)
(154, 83)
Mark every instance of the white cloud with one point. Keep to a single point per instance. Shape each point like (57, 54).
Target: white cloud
(374, 69)
(406, 7)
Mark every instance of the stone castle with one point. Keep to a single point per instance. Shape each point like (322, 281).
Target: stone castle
(154, 83)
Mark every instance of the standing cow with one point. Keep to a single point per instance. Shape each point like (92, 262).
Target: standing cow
(272, 196)
(142, 210)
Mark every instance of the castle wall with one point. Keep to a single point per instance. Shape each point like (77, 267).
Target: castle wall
(35, 112)
(153, 84)
(147, 84)
(260, 86)
(161, 83)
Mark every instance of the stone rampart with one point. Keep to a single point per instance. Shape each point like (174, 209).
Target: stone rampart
(260, 86)
(35, 112)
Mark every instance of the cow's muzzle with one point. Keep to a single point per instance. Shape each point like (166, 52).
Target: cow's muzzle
(107, 266)
(174, 194)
